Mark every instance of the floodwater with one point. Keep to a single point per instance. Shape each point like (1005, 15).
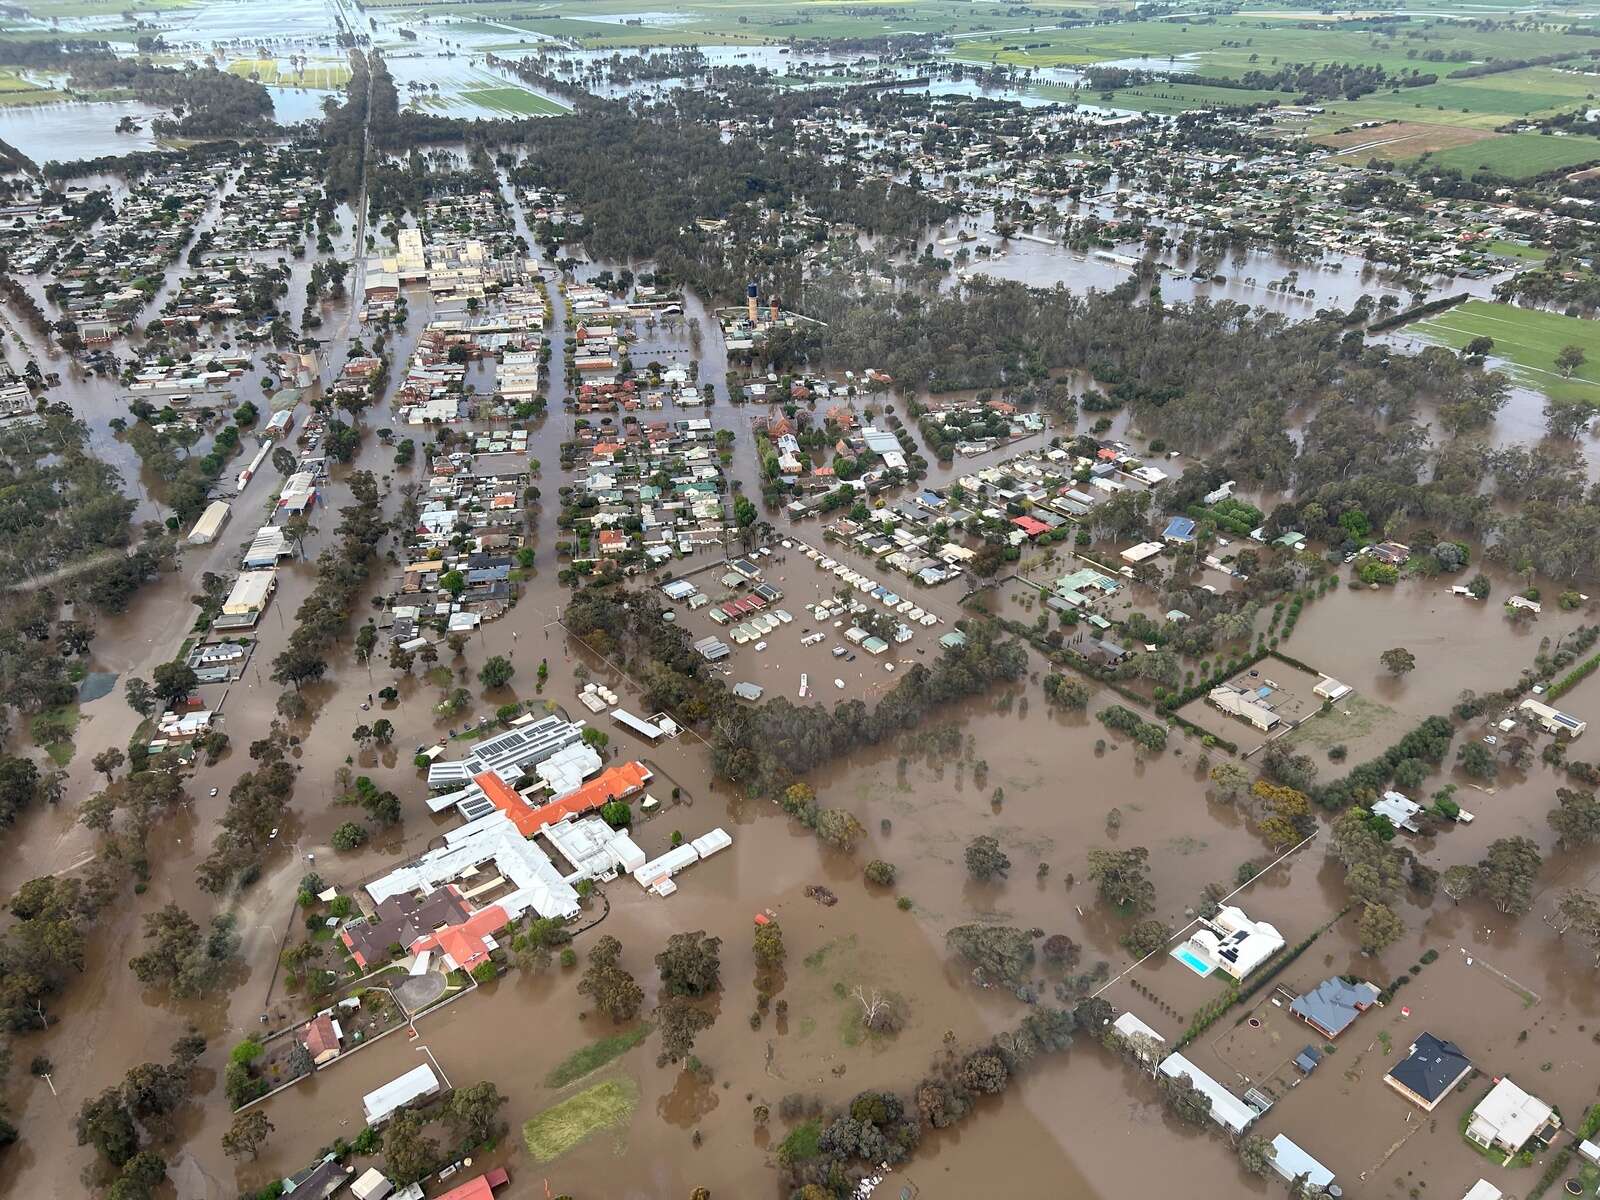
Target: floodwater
(64, 132)
(1044, 783)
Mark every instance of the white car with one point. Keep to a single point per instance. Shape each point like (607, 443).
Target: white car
(213, 791)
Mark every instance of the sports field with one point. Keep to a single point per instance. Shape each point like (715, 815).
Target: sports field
(1527, 339)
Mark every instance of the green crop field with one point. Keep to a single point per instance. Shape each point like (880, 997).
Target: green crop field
(318, 75)
(1527, 339)
(513, 101)
(1520, 155)
(1165, 97)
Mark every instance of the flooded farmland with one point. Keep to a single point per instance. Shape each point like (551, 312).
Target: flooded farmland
(1052, 783)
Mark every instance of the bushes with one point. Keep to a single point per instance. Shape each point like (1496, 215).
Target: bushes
(1573, 678)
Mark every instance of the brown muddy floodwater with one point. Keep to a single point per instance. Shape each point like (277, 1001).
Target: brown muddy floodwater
(1082, 1126)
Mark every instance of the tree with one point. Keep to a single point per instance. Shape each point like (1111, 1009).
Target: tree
(1146, 937)
(1475, 760)
(497, 672)
(349, 836)
(105, 1123)
(611, 988)
(474, 1113)
(1256, 1154)
(839, 828)
(137, 692)
(108, 761)
(1289, 818)
(1185, 1101)
(246, 1134)
(1459, 882)
(1398, 661)
(408, 1154)
(680, 1022)
(768, 945)
(383, 731)
(180, 958)
(690, 964)
(1579, 910)
(173, 681)
(1507, 872)
(1479, 586)
(879, 872)
(1576, 818)
(1569, 359)
(453, 582)
(1230, 780)
(1378, 927)
(999, 953)
(985, 859)
(1122, 878)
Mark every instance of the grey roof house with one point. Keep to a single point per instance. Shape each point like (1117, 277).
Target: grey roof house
(1333, 1005)
(1429, 1072)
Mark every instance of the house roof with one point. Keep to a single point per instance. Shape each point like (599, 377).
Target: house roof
(1432, 1067)
(320, 1036)
(1334, 1004)
(614, 783)
(1030, 526)
(1508, 1115)
(464, 944)
(401, 919)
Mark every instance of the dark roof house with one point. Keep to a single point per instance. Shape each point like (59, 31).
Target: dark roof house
(1432, 1069)
(401, 920)
(1333, 1005)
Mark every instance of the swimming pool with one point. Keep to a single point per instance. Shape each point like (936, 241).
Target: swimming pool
(1193, 961)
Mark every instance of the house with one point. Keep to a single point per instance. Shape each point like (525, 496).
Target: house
(323, 1039)
(467, 945)
(1508, 1117)
(1331, 689)
(321, 1179)
(371, 1184)
(1333, 1005)
(1179, 531)
(1247, 706)
(1553, 720)
(1227, 1109)
(382, 1103)
(1231, 942)
(1399, 811)
(1030, 526)
(481, 1188)
(1483, 1190)
(399, 920)
(1292, 1163)
(1432, 1068)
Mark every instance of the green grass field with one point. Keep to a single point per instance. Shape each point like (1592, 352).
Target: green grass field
(514, 101)
(16, 91)
(1520, 155)
(596, 1055)
(558, 1129)
(1528, 339)
(1177, 97)
(1515, 250)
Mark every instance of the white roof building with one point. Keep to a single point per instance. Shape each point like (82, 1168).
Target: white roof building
(1226, 1108)
(1234, 943)
(495, 838)
(1400, 811)
(1507, 1118)
(1244, 705)
(383, 1103)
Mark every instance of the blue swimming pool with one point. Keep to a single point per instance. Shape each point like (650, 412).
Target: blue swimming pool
(1193, 961)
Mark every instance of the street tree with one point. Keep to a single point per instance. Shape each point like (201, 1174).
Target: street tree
(496, 672)
(247, 1134)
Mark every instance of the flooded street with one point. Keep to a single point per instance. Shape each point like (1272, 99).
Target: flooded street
(1050, 783)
